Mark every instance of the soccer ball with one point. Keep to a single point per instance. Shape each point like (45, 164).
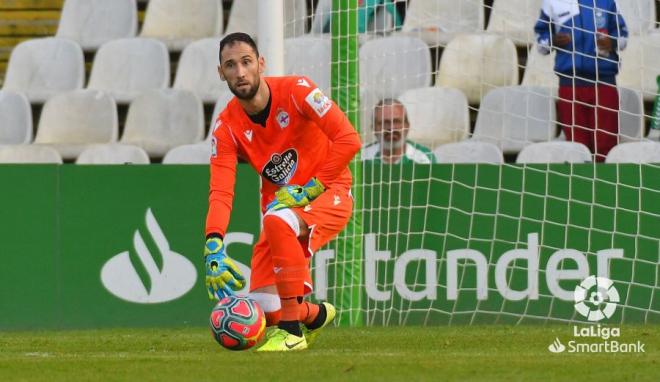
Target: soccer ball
(238, 323)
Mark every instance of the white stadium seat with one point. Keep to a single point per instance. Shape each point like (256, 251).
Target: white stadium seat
(42, 68)
(127, 67)
(515, 116)
(220, 105)
(555, 152)
(477, 63)
(310, 56)
(159, 120)
(468, 152)
(243, 17)
(178, 23)
(72, 121)
(29, 154)
(196, 153)
(631, 115)
(639, 15)
(437, 22)
(15, 118)
(540, 69)
(515, 19)
(391, 65)
(113, 153)
(640, 64)
(634, 152)
(198, 70)
(93, 22)
(436, 115)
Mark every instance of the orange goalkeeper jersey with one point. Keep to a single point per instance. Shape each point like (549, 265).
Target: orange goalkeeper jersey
(306, 135)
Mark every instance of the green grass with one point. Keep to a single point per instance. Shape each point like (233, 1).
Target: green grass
(340, 354)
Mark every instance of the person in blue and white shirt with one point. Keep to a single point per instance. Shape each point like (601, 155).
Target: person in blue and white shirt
(587, 36)
(391, 130)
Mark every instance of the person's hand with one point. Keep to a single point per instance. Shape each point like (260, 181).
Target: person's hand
(604, 43)
(561, 39)
(222, 275)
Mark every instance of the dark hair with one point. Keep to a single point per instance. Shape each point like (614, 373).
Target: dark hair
(234, 38)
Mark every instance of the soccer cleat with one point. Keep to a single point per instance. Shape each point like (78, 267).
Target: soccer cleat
(281, 340)
(311, 334)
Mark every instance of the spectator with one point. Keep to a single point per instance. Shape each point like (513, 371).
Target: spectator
(587, 34)
(391, 129)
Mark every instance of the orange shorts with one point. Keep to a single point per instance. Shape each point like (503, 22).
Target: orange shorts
(325, 216)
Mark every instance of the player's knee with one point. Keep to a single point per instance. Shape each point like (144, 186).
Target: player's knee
(276, 220)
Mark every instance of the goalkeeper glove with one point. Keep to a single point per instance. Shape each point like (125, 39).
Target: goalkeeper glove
(222, 275)
(296, 196)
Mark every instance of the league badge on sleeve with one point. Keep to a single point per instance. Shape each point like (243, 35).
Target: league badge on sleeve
(319, 102)
(214, 147)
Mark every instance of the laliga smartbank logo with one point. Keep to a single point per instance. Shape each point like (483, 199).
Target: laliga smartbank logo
(171, 280)
(596, 299)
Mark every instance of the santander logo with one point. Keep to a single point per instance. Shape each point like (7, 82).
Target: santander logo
(171, 280)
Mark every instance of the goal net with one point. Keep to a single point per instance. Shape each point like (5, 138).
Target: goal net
(461, 217)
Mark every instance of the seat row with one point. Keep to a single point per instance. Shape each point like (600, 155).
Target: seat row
(158, 120)
(176, 23)
(459, 152)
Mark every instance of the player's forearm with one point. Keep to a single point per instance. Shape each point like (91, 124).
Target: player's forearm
(217, 218)
(344, 147)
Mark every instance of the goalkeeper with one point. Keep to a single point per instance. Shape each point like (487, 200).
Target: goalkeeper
(301, 143)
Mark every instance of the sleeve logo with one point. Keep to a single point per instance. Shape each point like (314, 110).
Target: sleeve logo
(319, 102)
(214, 147)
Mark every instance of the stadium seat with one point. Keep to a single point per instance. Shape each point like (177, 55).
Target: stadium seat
(178, 23)
(638, 14)
(42, 68)
(159, 120)
(477, 63)
(640, 64)
(91, 23)
(310, 56)
(113, 153)
(513, 117)
(220, 105)
(196, 153)
(72, 121)
(634, 152)
(539, 70)
(631, 115)
(391, 65)
(437, 22)
(29, 154)
(515, 20)
(197, 70)
(127, 67)
(15, 118)
(555, 152)
(436, 115)
(468, 152)
(243, 17)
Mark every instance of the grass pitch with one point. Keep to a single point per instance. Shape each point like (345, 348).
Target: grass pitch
(340, 354)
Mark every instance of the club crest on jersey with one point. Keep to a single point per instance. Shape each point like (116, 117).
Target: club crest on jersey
(283, 118)
(319, 102)
(281, 167)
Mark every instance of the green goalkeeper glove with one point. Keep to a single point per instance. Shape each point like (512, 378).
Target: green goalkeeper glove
(296, 196)
(222, 275)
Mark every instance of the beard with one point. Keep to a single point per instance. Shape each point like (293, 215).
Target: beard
(389, 143)
(245, 94)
